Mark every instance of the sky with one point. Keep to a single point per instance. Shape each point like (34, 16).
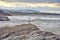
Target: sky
(41, 5)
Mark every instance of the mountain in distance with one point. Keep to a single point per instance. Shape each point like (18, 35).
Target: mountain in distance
(27, 11)
(21, 12)
(24, 12)
(2, 13)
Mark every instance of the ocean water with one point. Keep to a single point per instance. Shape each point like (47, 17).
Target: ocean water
(33, 17)
(43, 22)
(40, 20)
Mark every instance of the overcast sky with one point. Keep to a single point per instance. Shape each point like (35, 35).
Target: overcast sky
(42, 5)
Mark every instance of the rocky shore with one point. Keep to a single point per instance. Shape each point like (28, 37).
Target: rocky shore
(4, 18)
(26, 32)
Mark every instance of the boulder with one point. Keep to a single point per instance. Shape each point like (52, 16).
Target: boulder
(4, 19)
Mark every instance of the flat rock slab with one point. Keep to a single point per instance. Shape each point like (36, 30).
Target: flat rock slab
(24, 29)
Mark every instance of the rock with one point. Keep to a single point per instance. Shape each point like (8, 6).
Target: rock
(23, 29)
(4, 19)
(48, 34)
(58, 39)
(25, 32)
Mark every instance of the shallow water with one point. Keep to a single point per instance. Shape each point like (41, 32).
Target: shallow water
(43, 23)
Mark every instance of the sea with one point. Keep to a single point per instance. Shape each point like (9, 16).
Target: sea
(43, 22)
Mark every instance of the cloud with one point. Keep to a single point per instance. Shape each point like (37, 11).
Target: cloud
(26, 3)
(47, 5)
(34, 1)
(30, 5)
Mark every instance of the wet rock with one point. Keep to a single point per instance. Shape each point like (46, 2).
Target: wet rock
(4, 19)
(25, 32)
(48, 34)
(23, 29)
(58, 39)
